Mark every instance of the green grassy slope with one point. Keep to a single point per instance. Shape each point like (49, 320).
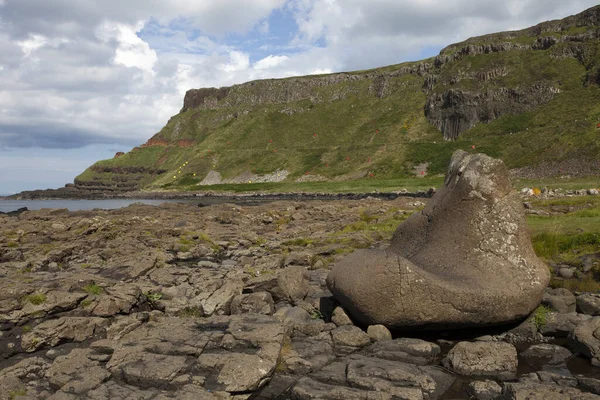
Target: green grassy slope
(350, 131)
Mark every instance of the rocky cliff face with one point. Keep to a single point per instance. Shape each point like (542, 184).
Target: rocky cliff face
(285, 91)
(452, 111)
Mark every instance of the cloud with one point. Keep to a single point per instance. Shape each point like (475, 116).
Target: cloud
(270, 62)
(131, 50)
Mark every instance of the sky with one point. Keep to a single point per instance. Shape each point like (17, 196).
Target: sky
(83, 79)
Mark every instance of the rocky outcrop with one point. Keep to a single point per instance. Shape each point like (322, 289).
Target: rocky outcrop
(456, 111)
(465, 260)
(283, 91)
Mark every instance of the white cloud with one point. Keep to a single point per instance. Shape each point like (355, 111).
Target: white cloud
(131, 51)
(270, 62)
(32, 44)
(238, 61)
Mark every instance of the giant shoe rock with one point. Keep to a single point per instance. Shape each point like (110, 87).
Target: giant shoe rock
(466, 260)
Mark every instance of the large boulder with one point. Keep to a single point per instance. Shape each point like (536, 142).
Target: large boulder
(465, 260)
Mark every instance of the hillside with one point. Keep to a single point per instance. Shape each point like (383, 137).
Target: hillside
(529, 97)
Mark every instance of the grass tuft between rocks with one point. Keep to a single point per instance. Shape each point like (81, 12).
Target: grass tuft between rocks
(540, 316)
(36, 298)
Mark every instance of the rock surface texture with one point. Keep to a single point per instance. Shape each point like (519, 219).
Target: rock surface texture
(465, 260)
(115, 305)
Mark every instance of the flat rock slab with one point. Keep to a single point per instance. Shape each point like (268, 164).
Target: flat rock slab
(230, 354)
(490, 359)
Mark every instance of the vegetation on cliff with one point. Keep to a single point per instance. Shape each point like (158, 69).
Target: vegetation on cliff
(528, 97)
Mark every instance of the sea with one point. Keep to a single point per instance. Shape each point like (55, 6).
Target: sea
(77, 205)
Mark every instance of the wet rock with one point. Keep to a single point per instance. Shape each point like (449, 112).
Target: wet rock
(589, 304)
(256, 303)
(586, 339)
(56, 331)
(340, 317)
(294, 284)
(476, 216)
(379, 332)
(561, 300)
(412, 351)
(485, 390)
(589, 384)
(558, 376)
(542, 354)
(493, 359)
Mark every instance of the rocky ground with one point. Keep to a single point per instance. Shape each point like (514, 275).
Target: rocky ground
(230, 301)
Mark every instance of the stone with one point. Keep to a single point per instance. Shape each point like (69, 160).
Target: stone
(585, 339)
(310, 389)
(449, 264)
(222, 353)
(379, 332)
(350, 336)
(76, 372)
(485, 390)
(409, 350)
(566, 273)
(560, 299)
(541, 391)
(589, 304)
(389, 376)
(589, 384)
(55, 331)
(220, 301)
(340, 317)
(545, 354)
(256, 303)
(490, 359)
(293, 282)
(561, 325)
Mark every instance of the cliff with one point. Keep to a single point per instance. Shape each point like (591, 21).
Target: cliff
(525, 96)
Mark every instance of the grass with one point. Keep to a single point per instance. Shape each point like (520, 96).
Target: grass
(36, 298)
(189, 312)
(540, 316)
(17, 393)
(564, 237)
(94, 289)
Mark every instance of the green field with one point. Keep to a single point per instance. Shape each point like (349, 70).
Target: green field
(568, 236)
